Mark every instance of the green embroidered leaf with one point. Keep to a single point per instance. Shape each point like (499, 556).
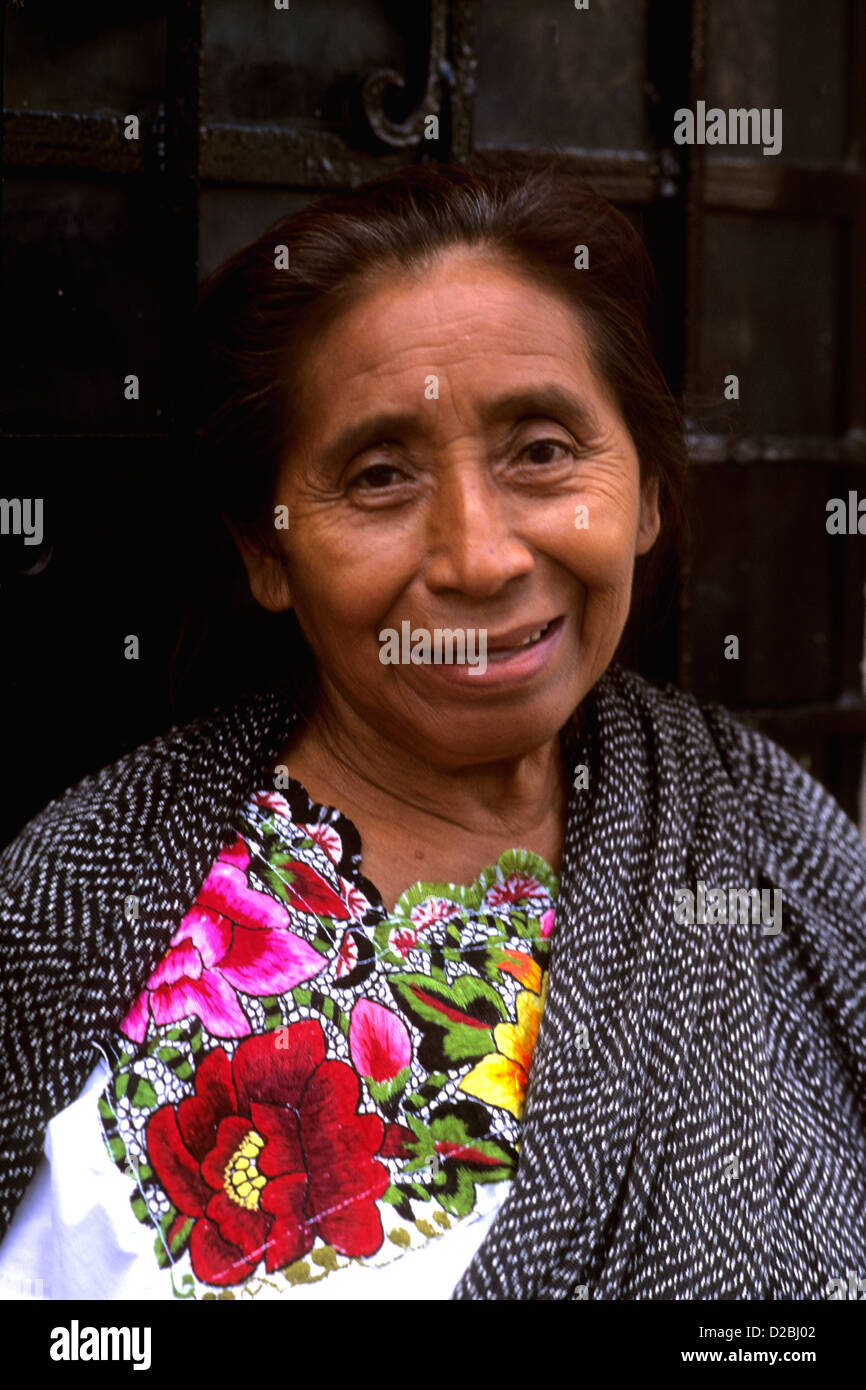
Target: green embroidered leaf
(417, 1191)
(117, 1149)
(386, 1090)
(419, 893)
(457, 1154)
(462, 1014)
(142, 1095)
(275, 883)
(139, 1208)
(393, 1195)
(161, 1241)
(380, 942)
(181, 1235)
(514, 861)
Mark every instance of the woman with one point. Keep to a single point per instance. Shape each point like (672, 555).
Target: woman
(503, 976)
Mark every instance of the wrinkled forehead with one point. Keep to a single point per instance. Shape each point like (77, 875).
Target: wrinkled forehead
(464, 325)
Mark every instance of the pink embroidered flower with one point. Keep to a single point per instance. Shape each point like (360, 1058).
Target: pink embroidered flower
(547, 921)
(433, 910)
(356, 958)
(273, 801)
(517, 887)
(233, 939)
(379, 1041)
(402, 940)
(353, 898)
(347, 955)
(327, 838)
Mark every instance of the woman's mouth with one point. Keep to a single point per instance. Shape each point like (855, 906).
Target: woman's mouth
(514, 658)
(503, 653)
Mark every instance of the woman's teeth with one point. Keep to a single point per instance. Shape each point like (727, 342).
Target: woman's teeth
(502, 653)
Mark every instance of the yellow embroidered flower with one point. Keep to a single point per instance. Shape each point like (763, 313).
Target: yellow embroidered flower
(501, 1077)
(522, 967)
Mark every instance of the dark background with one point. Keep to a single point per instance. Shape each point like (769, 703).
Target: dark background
(245, 113)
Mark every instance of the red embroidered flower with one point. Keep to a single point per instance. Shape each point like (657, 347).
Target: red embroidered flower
(516, 887)
(269, 1153)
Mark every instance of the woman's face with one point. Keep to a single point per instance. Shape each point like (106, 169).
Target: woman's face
(451, 432)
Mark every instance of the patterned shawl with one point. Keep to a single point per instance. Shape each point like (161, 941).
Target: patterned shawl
(696, 1115)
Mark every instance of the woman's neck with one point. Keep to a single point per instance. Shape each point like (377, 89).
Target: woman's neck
(343, 761)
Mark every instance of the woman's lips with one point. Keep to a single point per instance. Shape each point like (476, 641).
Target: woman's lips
(516, 636)
(509, 666)
(500, 649)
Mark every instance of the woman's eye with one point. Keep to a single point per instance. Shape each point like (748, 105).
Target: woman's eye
(541, 449)
(380, 475)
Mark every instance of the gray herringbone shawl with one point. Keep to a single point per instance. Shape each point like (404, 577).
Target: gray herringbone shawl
(696, 1117)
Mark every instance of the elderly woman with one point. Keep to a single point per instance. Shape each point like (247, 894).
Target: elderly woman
(470, 964)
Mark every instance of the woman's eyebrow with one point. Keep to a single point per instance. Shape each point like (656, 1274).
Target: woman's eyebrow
(549, 399)
(360, 433)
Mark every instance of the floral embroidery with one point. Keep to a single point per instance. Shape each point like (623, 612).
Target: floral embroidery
(269, 1153)
(379, 1042)
(308, 1080)
(233, 939)
(501, 1077)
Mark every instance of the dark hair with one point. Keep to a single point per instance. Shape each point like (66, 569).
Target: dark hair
(255, 321)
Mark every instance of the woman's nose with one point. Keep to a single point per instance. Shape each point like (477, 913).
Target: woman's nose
(472, 541)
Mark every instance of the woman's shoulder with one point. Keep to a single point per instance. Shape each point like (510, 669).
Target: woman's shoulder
(701, 722)
(784, 806)
(125, 802)
(689, 727)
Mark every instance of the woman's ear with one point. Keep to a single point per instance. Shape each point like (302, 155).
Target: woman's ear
(649, 524)
(265, 568)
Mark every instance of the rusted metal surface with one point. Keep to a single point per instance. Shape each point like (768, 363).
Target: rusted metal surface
(60, 140)
(463, 74)
(301, 157)
(781, 449)
(410, 131)
(284, 157)
(750, 185)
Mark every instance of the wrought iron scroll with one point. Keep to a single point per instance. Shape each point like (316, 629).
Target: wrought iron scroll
(403, 134)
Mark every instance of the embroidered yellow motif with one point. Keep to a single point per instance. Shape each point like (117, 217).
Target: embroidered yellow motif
(243, 1181)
